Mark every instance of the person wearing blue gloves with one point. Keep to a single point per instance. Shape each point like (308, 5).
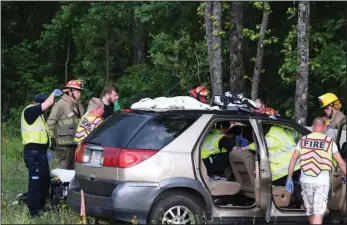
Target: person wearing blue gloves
(36, 140)
(318, 154)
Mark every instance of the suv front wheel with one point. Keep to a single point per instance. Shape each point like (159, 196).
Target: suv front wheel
(177, 208)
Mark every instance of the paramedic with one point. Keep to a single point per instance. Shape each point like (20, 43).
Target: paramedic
(332, 105)
(315, 172)
(36, 141)
(109, 98)
(62, 123)
(91, 120)
(215, 150)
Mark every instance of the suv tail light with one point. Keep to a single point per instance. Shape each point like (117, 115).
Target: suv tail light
(132, 157)
(115, 157)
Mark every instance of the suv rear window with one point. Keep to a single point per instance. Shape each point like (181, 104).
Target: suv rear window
(117, 131)
(160, 131)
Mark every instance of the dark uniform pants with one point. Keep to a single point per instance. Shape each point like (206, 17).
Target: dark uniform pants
(217, 164)
(66, 156)
(39, 179)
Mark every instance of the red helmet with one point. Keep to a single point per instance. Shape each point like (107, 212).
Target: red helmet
(200, 93)
(74, 84)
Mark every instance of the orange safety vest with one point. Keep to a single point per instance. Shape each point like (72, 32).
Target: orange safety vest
(86, 126)
(316, 154)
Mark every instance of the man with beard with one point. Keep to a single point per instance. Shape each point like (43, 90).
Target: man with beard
(109, 98)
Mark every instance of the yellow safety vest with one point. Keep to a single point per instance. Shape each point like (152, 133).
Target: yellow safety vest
(316, 154)
(211, 144)
(37, 132)
(281, 145)
(86, 126)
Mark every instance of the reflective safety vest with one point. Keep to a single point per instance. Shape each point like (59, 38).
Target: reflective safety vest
(316, 154)
(86, 126)
(281, 143)
(37, 132)
(211, 144)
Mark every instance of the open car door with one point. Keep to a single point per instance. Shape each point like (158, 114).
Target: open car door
(263, 184)
(337, 201)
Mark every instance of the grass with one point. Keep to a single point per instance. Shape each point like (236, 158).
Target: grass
(15, 180)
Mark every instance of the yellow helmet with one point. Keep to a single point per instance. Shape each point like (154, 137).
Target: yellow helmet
(327, 99)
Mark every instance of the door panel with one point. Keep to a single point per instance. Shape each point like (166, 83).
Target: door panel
(264, 201)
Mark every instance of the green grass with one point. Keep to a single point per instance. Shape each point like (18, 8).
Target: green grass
(15, 180)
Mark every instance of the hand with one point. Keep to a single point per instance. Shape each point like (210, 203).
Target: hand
(57, 92)
(237, 148)
(49, 156)
(289, 185)
(53, 144)
(345, 180)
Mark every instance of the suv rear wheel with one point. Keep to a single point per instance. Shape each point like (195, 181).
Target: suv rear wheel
(177, 208)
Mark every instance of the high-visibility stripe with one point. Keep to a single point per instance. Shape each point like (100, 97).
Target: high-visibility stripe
(318, 158)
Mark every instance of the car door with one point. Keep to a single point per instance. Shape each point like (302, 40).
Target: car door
(264, 201)
(337, 201)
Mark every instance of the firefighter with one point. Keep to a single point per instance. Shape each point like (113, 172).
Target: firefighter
(91, 120)
(36, 140)
(261, 108)
(63, 122)
(200, 93)
(332, 105)
(216, 148)
(317, 153)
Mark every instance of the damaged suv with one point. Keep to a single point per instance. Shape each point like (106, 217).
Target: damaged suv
(146, 165)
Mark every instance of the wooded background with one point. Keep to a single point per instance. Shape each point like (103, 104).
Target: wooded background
(288, 53)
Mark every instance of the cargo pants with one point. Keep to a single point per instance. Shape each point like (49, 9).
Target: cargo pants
(39, 179)
(65, 155)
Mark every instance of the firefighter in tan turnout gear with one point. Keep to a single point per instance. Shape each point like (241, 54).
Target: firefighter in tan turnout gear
(63, 121)
(318, 154)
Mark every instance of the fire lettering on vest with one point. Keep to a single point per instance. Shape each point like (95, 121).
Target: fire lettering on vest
(315, 144)
(86, 124)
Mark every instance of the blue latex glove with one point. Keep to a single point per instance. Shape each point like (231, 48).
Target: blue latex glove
(345, 180)
(289, 185)
(57, 92)
(49, 156)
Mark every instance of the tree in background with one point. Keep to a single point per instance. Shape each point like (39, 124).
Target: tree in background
(303, 34)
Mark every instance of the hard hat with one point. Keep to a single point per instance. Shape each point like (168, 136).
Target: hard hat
(200, 93)
(40, 98)
(327, 99)
(74, 84)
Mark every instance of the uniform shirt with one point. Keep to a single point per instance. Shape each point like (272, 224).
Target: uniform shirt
(324, 177)
(30, 115)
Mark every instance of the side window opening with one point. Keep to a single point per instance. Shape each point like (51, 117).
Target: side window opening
(223, 159)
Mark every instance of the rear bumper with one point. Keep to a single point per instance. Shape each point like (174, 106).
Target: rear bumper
(129, 201)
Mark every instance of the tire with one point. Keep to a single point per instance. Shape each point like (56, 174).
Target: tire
(188, 205)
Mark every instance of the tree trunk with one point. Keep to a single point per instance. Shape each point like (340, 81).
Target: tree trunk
(139, 42)
(67, 60)
(260, 51)
(301, 91)
(213, 20)
(236, 82)
(107, 55)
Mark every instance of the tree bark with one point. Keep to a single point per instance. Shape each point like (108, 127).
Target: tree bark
(107, 55)
(67, 59)
(301, 91)
(236, 81)
(139, 42)
(260, 52)
(213, 20)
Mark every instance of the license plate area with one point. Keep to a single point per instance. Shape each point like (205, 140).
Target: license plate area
(96, 157)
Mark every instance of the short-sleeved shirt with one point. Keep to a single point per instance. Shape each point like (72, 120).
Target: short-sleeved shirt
(30, 115)
(324, 177)
(108, 111)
